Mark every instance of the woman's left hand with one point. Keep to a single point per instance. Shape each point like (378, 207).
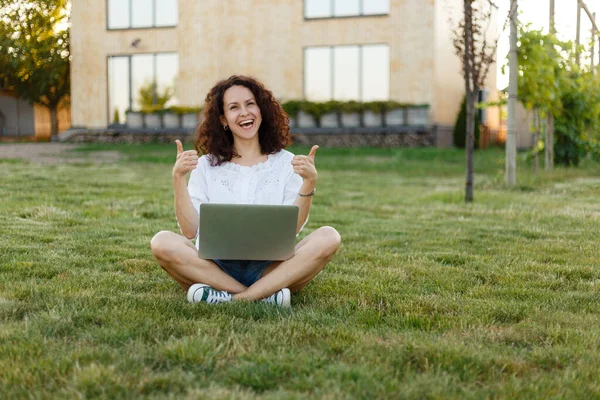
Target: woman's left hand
(305, 165)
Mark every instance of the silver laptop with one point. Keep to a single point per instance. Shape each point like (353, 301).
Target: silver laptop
(247, 231)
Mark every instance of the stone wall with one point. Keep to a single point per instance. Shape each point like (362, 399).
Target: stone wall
(381, 138)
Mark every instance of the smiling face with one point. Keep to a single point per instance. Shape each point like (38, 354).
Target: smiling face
(242, 114)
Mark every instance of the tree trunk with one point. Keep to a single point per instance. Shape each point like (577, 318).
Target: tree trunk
(511, 135)
(54, 122)
(470, 146)
(470, 128)
(549, 145)
(536, 135)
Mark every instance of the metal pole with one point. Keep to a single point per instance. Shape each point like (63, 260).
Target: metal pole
(551, 26)
(511, 135)
(549, 142)
(587, 11)
(577, 35)
(593, 46)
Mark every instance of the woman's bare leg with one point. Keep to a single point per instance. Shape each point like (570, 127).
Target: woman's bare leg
(179, 257)
(312, 254)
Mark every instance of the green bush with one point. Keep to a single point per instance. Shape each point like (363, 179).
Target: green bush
(116, 116)
(149, 96)
(291, 107)
(153, 109)
(376, 107)
(577, 127)
(317, 109)
(351, 107)
(460, 128)
(184, 109)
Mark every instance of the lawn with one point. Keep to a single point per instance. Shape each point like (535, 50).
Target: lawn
(428, 297)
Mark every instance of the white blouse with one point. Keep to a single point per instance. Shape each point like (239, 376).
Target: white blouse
(270, 182)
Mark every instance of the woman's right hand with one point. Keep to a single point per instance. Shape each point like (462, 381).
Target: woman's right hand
(186, 161)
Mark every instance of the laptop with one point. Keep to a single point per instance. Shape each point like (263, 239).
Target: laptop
(247, 231)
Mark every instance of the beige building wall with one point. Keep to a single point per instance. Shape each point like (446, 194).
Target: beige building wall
(266, 39)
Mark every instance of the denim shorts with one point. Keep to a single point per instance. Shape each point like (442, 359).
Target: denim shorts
(245, 272)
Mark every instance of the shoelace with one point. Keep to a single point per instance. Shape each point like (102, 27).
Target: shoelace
(216, 296)
(272, 298)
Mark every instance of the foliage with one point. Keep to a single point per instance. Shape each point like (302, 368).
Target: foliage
(116, 116)
(459, 133)
(350, 107)
(184, 110)
(150, 98)
(291, 107)
(317, 109)
(577, 127)
(34, 51)
(419, 302)
(551, 80)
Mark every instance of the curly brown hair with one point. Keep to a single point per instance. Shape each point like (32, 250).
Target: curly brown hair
(273, 133)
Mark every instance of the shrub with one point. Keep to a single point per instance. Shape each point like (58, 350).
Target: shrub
(351, 107)
(184, 110)
(149, 96)
(460, 128)
(291, 107)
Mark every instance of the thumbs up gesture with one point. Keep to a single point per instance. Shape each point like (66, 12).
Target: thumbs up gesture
(185, 162)
(305, 165)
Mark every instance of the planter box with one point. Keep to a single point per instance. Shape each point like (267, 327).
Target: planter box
(152, 120)
(395, 117)
(292, 122)
(305, 120)
(351, 120)
(417, 116)
(134, 119)
(189, 120)
(329, 120)
(171, 120)
(372, 119)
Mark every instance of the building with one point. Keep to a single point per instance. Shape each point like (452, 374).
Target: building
(301, 49)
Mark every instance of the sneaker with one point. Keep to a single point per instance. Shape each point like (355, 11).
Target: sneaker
(199, 292)
(281, 298)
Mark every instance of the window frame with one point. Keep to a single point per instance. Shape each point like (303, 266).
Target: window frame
(130, 27)
(332, 69)
(361, 13)
(130, 94)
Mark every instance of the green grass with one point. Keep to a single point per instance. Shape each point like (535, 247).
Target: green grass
(427, 298)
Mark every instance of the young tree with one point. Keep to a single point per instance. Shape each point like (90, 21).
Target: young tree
(34, 52)
(477, 54)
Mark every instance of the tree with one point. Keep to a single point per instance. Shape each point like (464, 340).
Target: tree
(551, 81)
(34, 52)
(471, 45)
(150, 98)
(539, 79)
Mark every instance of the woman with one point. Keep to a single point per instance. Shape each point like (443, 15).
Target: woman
(243, 138)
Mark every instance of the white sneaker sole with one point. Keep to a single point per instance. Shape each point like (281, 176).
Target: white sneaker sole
(192, 291)
(287, 298)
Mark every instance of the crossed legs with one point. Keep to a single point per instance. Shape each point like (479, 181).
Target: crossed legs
(179, 258)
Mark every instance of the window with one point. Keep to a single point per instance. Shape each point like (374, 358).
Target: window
(347, 73)
(127, 14)
(128, 74)
(344, 8)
